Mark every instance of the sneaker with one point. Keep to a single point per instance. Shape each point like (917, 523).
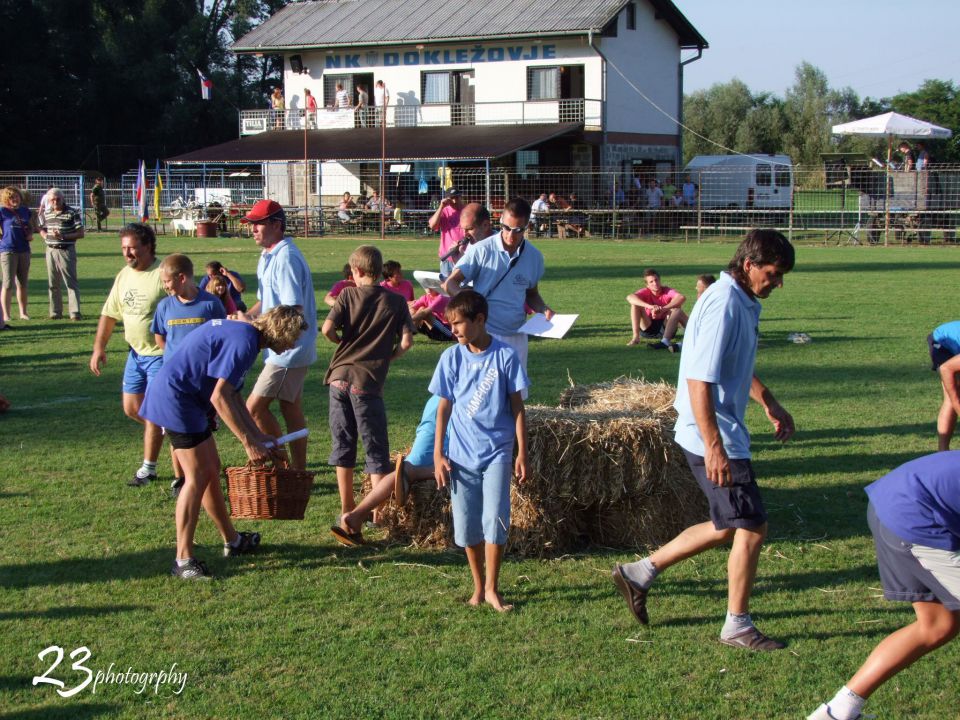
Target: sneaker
(141, 480)
(56, 317)
(249, 541)
(658, 346)
(76, 318)
(193, 570)
(753, 639)
(675, 347)
(823, 713)
(175, 487)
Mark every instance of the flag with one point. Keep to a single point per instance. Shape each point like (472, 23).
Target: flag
(157, 187)
(205, 85)
(140, 193)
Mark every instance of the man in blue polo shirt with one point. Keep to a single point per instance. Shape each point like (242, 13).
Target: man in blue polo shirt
(944, 345)
(914, 515)
(716, 379)
(284, 279)
(505, 268)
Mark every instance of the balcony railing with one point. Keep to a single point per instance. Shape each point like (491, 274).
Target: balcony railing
(536, 112)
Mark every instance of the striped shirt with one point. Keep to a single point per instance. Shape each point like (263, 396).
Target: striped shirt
(67, 221)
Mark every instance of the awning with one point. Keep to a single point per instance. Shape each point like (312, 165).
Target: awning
(457, 142)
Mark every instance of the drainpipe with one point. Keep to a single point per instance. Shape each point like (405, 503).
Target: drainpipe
(603, 98)
(680, 103)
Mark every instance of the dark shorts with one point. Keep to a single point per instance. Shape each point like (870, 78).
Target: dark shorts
(902, 576)
(938, 354)
(354, 415)
(734, 506)
(655, 327)
(187, 441)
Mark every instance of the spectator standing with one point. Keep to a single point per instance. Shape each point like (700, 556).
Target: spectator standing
(284, 279)
(363, 103)
(16, 234)
(311, 109)
(61, 227)
(689, 191)
(98, 201)
(133, 299)
(381, 98)
(279, 105)
(446, 219)
(341, 98)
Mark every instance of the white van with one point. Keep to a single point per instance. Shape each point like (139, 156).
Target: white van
(742, 181)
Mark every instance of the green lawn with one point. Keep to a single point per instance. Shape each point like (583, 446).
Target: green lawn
(308, 629)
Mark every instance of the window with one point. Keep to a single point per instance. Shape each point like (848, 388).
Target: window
(527, 159)
(437, 87)
(764, 176)
(631, 16)
(782, 176)
(330, 88)
(543, 83)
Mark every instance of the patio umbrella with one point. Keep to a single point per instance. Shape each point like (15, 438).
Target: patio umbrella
(891, 125)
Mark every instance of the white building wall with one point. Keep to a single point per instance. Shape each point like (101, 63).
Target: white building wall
(650, 57)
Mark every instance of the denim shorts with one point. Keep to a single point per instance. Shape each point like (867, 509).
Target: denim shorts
(480, 500)
(731, 506)
(140, 371)
(905, 569)
(362, 415)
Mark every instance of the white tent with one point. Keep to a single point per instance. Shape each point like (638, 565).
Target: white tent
(891, 125)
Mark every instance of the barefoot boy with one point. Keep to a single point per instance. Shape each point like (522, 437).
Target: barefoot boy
(914, 515)
(479, 382)
(374, 328)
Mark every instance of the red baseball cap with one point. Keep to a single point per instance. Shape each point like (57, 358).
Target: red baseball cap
(262, 210)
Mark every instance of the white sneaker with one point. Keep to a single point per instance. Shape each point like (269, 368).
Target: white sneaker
(823, 713)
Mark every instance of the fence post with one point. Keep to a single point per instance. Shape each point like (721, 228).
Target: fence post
(699, 206)
(790, 221)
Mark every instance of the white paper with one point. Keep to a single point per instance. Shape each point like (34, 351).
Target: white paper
(555, 328)
(428, 280)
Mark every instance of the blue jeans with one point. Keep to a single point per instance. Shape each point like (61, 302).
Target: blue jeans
(481, 504)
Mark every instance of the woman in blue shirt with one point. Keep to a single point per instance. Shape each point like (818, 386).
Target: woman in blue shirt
(16, 233)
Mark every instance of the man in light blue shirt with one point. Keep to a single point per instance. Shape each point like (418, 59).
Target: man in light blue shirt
(505, 268)
(284, 279)
(715, 381)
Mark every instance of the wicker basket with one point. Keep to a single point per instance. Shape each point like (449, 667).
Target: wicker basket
(273, 492)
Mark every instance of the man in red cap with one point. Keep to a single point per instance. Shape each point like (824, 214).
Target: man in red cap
(284, 279)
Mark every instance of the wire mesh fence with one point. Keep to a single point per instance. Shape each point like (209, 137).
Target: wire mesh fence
(828, 204)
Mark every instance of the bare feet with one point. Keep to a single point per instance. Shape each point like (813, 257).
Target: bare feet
(347, 526)
(476, 600)
(495, 600)
(633, 341)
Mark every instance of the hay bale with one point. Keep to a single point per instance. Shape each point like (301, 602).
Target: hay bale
(604, 471)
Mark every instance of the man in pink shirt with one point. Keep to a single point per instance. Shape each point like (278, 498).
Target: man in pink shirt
(655, 312)
(447, 220)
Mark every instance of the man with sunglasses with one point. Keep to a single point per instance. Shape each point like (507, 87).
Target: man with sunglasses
(505, 268)
(284, 279)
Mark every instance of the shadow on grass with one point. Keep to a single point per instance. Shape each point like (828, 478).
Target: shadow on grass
(75, 711)
(63, 613)
(124, 566)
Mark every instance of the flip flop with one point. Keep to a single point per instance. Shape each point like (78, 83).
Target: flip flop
(346, 538)
(401, 485)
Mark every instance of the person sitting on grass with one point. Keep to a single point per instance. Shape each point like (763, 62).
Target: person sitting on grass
(703, 282)
(416, 465)
(235, 282)
(219, 289)
(944, 344)
(370, 327)
(394, 282)
(427, 314)
(479, 382)
(205, 375)
(185, 308)
(914, 516)
(656, 311)
(331, 297)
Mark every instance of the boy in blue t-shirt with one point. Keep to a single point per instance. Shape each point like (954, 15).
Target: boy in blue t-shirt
(185, 308)
(944, 344)
(479, 381)
(914, 515)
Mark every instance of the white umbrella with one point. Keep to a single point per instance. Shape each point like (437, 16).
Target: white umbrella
(891, 125)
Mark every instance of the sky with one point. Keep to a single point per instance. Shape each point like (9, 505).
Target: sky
(877, 47)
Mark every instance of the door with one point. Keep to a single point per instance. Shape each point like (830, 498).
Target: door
(463, 111)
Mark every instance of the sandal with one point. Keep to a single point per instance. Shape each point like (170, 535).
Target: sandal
(401, 485)
(346, 538)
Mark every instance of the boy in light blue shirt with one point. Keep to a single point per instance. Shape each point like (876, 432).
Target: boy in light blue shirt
(479, 382)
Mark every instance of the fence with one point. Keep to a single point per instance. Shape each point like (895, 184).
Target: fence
(849, 204)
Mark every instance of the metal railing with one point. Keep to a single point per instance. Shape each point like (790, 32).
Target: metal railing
(535, 112)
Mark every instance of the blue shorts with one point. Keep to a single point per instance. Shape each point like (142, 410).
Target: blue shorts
(731, 506)
(481, 504)
(139, 371)
(902, 575)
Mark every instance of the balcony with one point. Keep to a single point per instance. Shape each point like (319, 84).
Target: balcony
(535, 112)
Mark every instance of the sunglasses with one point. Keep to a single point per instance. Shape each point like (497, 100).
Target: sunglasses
(513, 230)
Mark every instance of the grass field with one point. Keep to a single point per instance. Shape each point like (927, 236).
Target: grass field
(308, 629)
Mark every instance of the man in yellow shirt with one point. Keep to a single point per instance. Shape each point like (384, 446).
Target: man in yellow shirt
(132, 300)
